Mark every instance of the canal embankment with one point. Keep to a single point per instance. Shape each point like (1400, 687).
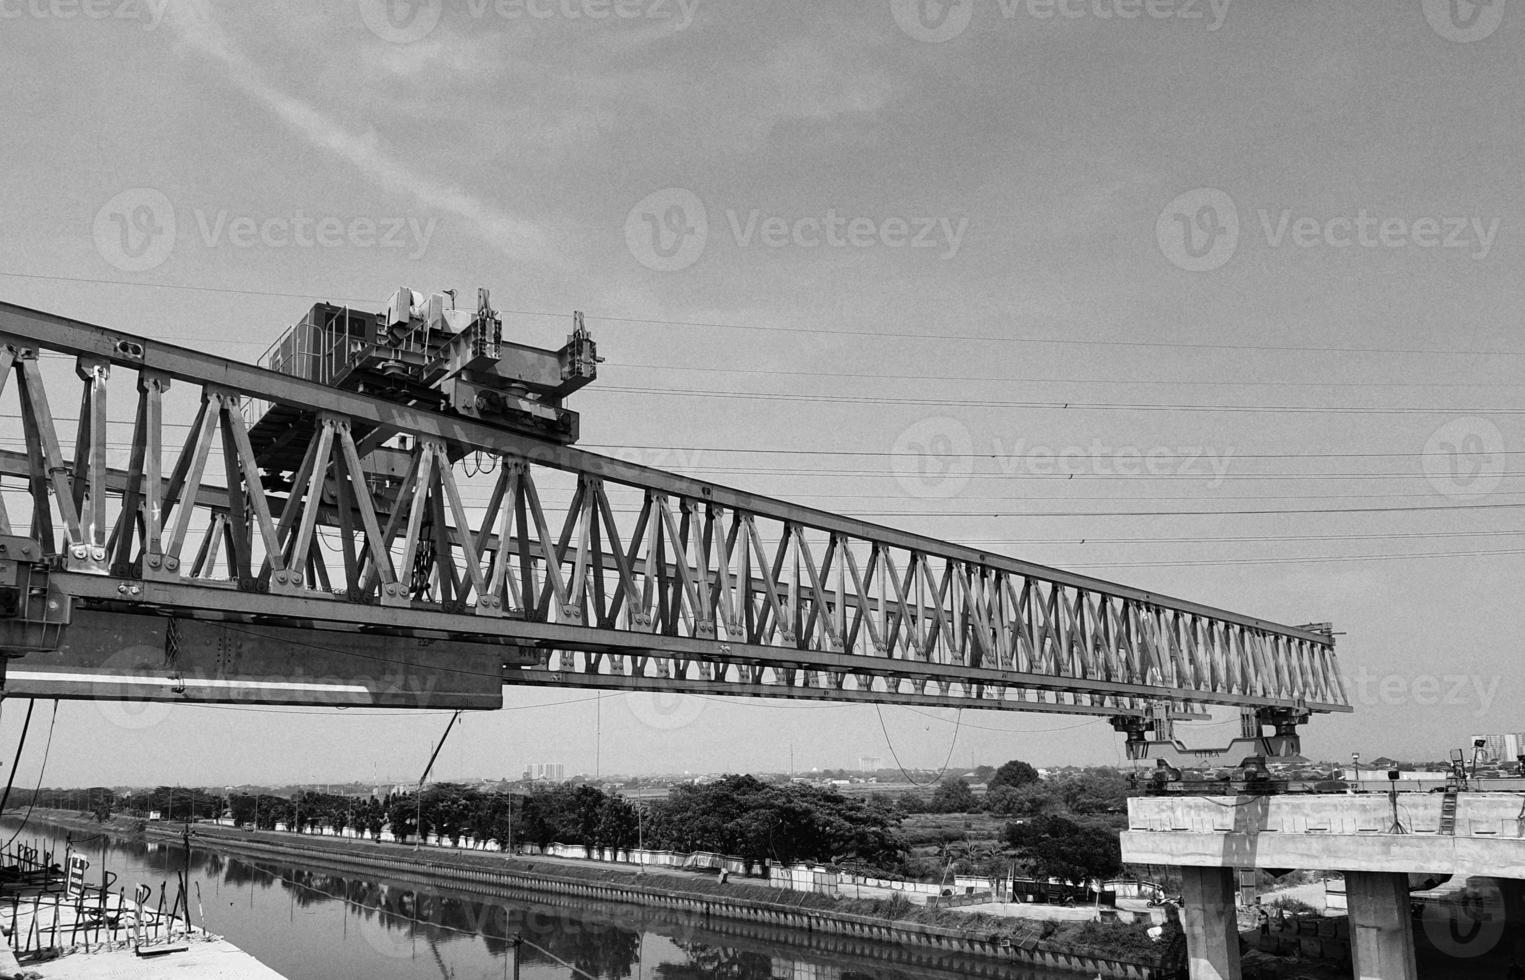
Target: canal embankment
(916, 932)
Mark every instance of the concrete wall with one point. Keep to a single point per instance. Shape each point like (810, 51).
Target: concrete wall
(1477, 814)
(1328, 832)
(1312, 937)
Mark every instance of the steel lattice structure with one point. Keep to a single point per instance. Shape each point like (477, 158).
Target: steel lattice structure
(376, 533)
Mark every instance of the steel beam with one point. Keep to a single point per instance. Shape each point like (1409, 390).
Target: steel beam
(122, 657)
(708, 585)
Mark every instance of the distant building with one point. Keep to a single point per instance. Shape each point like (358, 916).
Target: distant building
(869, 763)
(553, 771)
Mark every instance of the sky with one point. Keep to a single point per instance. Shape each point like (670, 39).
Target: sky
(1218, 299)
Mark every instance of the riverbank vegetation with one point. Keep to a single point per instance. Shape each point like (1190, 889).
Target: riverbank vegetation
(1063, 826)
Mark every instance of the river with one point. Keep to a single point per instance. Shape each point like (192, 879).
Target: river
(312, 924)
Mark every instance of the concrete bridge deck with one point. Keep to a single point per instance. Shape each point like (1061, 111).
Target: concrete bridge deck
(1377, 840)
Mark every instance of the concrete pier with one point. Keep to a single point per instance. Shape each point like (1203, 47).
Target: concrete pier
(1207, 917)
(1381, 929)
(1208, 837)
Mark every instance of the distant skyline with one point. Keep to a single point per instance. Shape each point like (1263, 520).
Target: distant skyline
(1222, 306)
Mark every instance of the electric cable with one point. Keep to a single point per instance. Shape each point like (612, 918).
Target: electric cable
(1004, 731)
(1110, 382)
(26, 726)
(1072, 406)
(815, 331)
(47, 748)
(890, 743)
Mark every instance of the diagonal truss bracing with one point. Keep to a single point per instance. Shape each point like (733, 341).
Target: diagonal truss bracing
(618, 575)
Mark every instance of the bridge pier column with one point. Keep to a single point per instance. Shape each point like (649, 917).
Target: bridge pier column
(1210, 923)
(1381, 929)
(1514, 916)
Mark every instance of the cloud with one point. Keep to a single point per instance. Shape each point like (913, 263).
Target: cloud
(517, 238)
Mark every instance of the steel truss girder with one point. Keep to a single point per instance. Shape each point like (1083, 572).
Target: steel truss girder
(538, 677)
(111, 654)
(705, 584)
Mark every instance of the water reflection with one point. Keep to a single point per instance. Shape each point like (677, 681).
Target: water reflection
(308, 922)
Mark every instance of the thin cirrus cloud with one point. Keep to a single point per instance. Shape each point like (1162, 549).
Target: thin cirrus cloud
(516, 238)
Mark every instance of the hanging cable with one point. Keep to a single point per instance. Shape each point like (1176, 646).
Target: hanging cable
(10, 780)
(951, 746)
(47, 747)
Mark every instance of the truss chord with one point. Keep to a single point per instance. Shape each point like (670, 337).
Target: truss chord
(711, 589)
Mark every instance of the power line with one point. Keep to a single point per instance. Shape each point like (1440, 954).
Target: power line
(26, 726)
(1056, 458)
(181, 288)
(818, 331)
(879, 712)
(1005, 731)
(1062, 406)
(1304, 560)
(964, 379)
(1059, 341)
(47, 748)
(1207, 539)
(792, 451)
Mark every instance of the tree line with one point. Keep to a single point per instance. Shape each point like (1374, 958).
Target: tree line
(737, 815)
(1058, 826)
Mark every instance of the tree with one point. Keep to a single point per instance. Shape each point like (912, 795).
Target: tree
(756, 821)
(1022, 801)
(373, 815)
(913, 803)
(1093, 791)
(181, 803)
(618, 824)
(447, 809)
(102, 800)
(493, 820)
(953, 796)
(241, 809)
(1015, 773)
(402, 816)
(1057, 847)
(546, 816)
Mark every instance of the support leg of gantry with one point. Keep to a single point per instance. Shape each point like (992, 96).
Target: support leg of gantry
(1210, 923)
(1381, 928)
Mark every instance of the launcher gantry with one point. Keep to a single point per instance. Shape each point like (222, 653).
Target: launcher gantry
(401, 519)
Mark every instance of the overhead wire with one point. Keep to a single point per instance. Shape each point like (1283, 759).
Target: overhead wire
(1005, 731)
(941, 454)
(879, 712)
(26, 726)
(814, 330)
(1073, 406)
(41, 770)
(1052, 379)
